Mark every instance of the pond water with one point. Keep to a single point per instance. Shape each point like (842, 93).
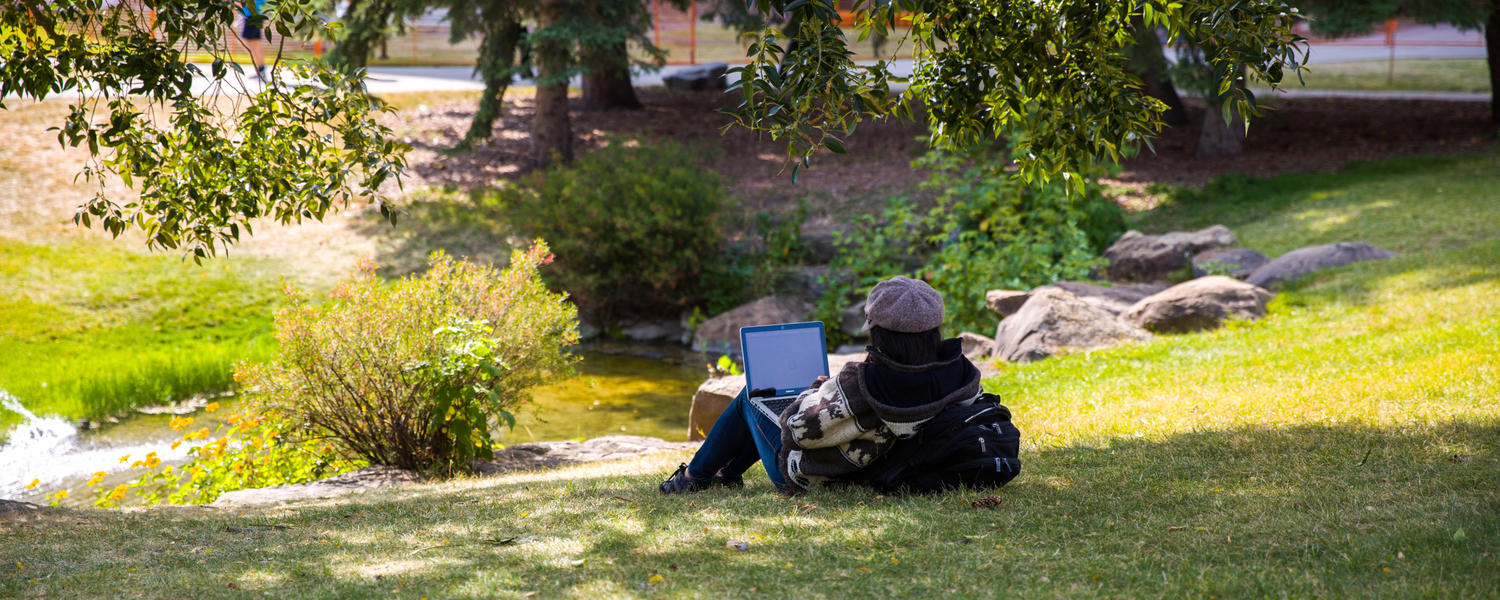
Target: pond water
(619, 390)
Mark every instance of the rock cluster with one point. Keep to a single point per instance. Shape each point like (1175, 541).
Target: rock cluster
(1230, 283)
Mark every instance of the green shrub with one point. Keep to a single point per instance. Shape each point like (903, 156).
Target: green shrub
(635, 228)
(414, 372)
(986, 231)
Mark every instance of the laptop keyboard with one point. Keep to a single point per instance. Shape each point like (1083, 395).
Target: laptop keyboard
(776, 405)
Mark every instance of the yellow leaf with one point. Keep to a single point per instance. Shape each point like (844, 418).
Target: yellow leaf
(895, 561)
(124, 458)
(60, 494)
(212, 406)
(33, 484)
(654, 579)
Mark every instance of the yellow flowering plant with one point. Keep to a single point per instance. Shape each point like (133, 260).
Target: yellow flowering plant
(247, 450)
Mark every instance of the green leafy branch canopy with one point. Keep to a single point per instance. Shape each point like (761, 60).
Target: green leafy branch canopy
(205, 164)
(1049, 74)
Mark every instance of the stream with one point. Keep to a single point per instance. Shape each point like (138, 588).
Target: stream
(620, 389)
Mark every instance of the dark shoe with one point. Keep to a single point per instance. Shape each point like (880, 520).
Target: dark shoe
(729, 481)
(680, 482)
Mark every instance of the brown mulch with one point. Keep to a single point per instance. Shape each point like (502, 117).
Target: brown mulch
(1298, 135)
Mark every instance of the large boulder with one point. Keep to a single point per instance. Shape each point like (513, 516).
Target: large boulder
(712, 397)
(721, 334)
(1300, 262)
(1113, 299)
(1054, 319)
(1235, 262)
(1140, 257)
(707, 76)
(1199, 304)
(1005, 302)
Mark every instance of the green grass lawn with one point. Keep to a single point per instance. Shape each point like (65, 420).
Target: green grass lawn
(89, 328)
(1344, 446)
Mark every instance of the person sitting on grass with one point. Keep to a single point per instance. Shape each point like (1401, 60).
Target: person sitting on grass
(837, 427)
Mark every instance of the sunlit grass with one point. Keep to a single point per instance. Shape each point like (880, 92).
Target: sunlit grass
(1428, 75)
(1342, 447)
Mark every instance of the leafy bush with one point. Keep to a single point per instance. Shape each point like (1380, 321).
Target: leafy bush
(413, 373)
(986, 231)
(635, 228)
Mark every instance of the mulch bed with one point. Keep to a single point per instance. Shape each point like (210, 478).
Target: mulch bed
(1299, 135)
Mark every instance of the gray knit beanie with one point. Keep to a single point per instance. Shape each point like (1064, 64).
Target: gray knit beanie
(905, 305)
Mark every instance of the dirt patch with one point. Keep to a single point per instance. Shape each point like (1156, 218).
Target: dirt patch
(1298, 135)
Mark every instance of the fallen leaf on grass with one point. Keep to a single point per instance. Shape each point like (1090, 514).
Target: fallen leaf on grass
(577, 563)
(1177, 528)
(654, 579)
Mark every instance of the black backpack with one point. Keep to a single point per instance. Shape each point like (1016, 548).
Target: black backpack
(973, 446)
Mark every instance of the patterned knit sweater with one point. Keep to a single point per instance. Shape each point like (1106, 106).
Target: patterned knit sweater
(838, 428)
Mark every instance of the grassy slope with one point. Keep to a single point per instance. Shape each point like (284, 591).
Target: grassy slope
(92, 328)
(1345, 446)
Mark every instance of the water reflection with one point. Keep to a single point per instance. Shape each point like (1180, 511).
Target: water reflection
(619, 390)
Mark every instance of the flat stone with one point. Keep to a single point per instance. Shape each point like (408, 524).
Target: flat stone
(368, 478)
(1234, 262)
(1304, 261)
(534, 456)
(976, 346)
(721, 334)
(1113, 299)
(1196, 305)
(656, 331)
(1054, 320)
(1140, 257)
(1005, 302)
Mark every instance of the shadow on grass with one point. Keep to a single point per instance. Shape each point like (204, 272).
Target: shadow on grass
(464, 224)
(1314, 510)
(1361, 283)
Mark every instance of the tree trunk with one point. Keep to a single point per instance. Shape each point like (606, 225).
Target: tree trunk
(497, 59)
(551, 132)
(1219, 138)
(607, 85)
(1492, 47)
(1149, 63)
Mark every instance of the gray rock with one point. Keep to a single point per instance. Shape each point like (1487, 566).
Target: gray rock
(1005, 302)
(1140, 257)
(721, 334)
(852, 321)
(712, 397)
(1113, 299)
(1301, 262)
(976, 346)
(1235, 262)
(548, 455)
(587, 331)
(656, 331)
(821, 244)
(1053, 320)
(804, 281)
(368, 478)
(707, 76)
(1197, 305)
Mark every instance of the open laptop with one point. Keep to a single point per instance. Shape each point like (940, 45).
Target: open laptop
(781, 361)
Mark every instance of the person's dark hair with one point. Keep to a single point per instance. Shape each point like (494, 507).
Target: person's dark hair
(907, 348)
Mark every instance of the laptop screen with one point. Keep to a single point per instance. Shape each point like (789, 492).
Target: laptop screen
(786, 357)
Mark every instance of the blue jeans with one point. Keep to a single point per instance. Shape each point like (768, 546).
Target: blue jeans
(740, 437)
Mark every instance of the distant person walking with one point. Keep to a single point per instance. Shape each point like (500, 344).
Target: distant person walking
(253, 36)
